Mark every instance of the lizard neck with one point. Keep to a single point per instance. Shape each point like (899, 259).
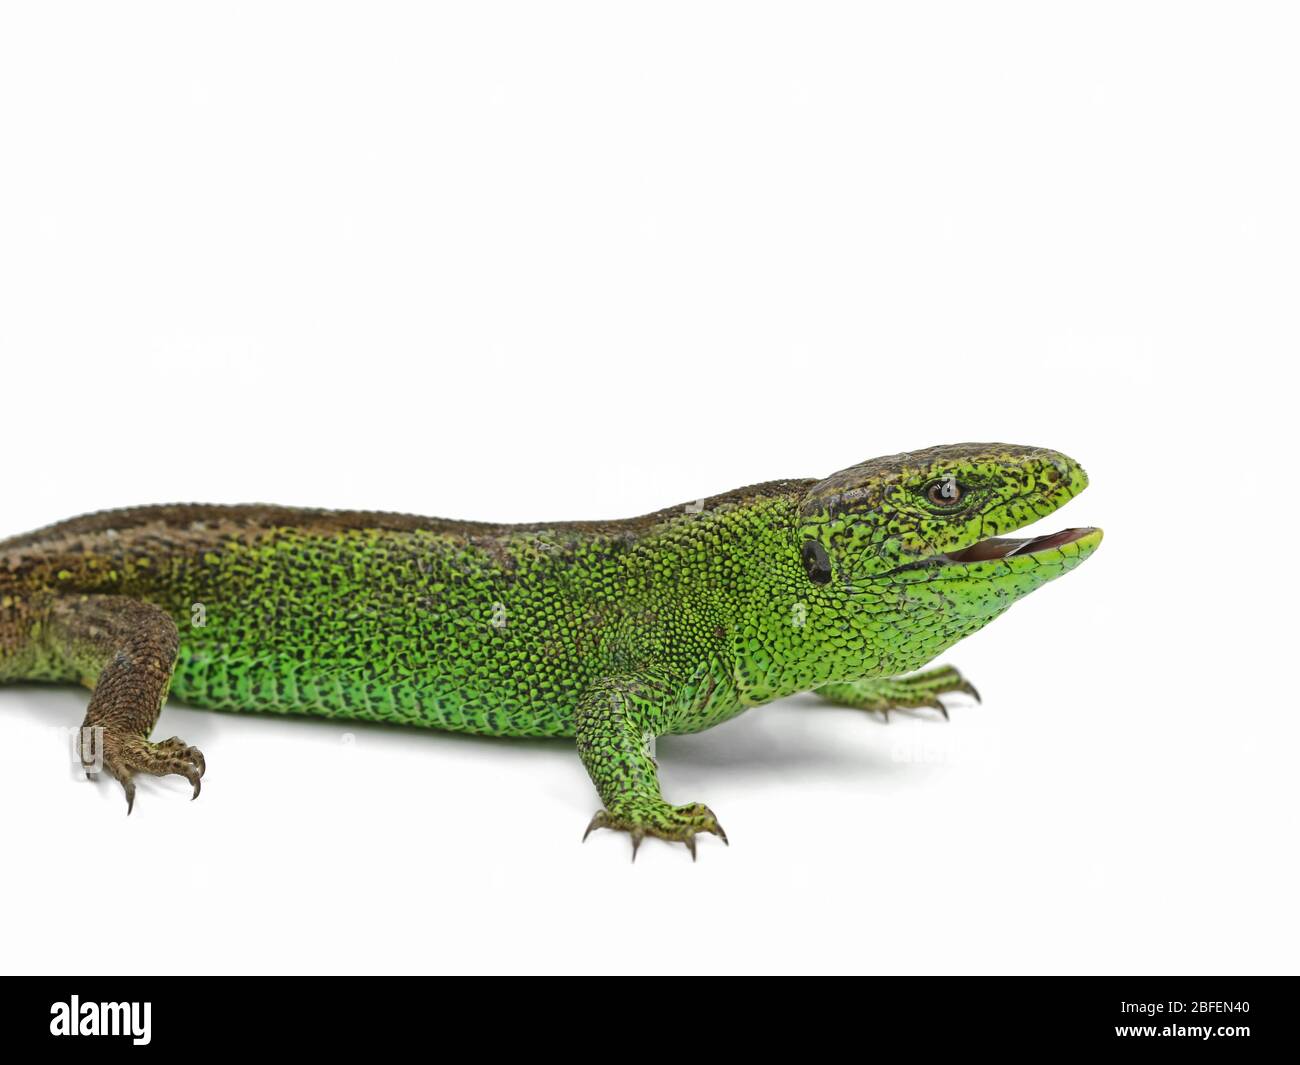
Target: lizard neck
(788, 634)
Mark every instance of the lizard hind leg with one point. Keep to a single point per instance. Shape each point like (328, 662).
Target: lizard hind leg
(125, 650)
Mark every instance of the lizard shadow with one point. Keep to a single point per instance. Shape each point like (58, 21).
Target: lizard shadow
(799, 739)
(60, 708)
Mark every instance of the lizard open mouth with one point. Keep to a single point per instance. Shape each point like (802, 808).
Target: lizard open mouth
(1005, 547)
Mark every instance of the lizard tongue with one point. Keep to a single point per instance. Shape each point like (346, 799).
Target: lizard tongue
(994, 547)
(1005, 547)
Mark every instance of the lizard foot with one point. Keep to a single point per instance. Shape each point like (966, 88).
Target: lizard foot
(883, 694)
(124, 758)
(679, 824)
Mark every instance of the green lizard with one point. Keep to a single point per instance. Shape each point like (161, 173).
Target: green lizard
(610, 633)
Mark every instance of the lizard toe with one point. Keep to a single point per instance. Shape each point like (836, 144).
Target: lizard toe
(676, 824)
(173, 757)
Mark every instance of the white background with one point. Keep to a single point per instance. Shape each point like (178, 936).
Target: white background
(563, 261)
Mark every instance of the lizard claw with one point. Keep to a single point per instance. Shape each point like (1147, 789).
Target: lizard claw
(678, 824)
(598, 820)
(124, 759)
(883, 694)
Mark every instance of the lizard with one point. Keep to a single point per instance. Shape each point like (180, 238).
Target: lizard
(607, 633)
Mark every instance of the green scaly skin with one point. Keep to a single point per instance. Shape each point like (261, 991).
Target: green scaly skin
(611, 633)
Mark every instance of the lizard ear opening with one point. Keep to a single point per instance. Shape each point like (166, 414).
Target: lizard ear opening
(816, 562)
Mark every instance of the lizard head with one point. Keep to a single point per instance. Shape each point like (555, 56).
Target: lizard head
(917, 537)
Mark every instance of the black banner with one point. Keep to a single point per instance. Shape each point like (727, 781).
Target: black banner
(1220, 1015)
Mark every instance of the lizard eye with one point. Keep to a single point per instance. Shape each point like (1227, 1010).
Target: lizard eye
(816, 562)
(945, 493)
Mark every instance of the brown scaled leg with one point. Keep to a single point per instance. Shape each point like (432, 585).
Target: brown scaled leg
(125, 650)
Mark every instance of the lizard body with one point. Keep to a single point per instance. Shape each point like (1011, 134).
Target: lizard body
(607, 632)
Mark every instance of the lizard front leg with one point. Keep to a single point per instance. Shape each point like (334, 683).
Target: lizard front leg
(883, 694)
(617, 720)
(125, 650)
